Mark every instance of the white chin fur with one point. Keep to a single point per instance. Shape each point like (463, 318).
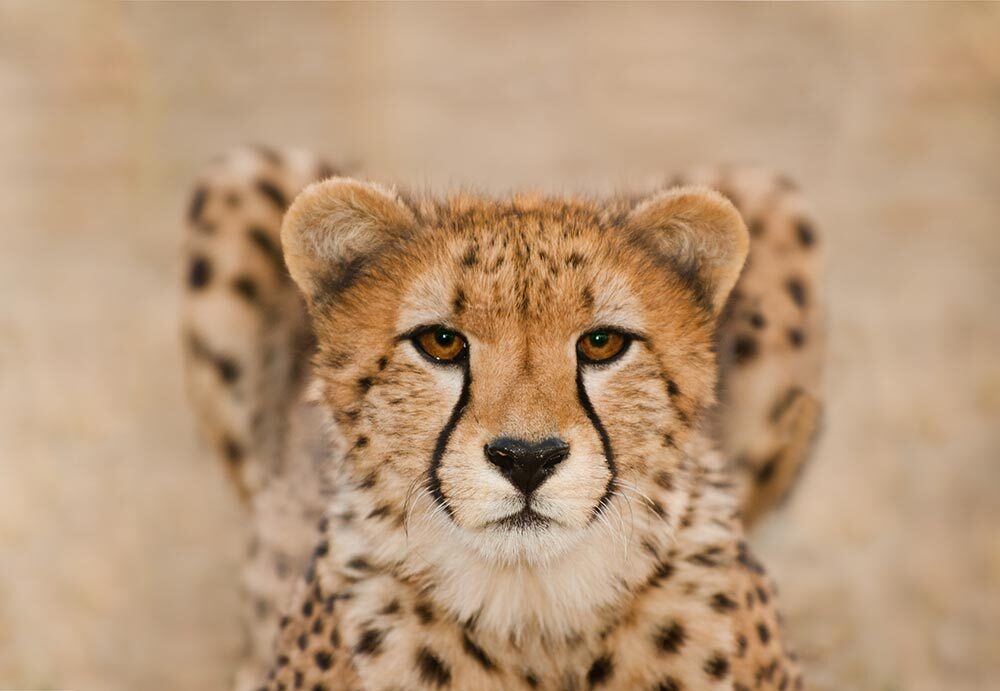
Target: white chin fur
(550, 578)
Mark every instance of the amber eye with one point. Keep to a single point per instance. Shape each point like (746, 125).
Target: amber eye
(440, 344)
(601, 345)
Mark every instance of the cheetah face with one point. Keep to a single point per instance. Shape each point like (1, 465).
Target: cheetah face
(511, 373)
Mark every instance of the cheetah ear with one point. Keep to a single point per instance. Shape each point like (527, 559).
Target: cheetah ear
(698, 234)
(335, 228)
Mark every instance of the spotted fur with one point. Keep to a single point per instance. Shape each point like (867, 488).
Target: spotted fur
(247, 341)
(771, 339)
(680, 602)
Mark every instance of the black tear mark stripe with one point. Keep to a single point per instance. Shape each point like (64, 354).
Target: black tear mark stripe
(609, 455)
(445, 435)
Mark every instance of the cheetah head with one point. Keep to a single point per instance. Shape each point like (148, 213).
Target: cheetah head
(509, 375)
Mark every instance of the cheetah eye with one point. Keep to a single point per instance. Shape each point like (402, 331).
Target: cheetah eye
(440, 344)
(602, 346)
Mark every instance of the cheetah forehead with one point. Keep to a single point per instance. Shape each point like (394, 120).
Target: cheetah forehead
(544, 261)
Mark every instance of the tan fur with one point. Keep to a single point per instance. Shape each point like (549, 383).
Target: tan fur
(521, 598)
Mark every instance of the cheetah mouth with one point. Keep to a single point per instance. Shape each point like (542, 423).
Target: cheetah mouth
(525, 519)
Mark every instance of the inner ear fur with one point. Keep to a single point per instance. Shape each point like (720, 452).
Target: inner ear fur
(699, 234)
(336, 227)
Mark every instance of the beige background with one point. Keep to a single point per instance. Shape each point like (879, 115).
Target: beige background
(119, 539)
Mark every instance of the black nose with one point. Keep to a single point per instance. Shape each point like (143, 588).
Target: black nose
(526, 464)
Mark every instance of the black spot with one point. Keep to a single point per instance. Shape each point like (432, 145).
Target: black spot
(762, 595)
(432, 669)
(756, 227)
(335, 637)
(805, 232)
(302, 641)
(723, 603)
(575, 259)
(317, 627)
(382, 363)
(424, 613)
(796, 337)
(766, 672)
(392, 608)
(470, 258)
(784, 403)
(531, 680)
(232, 450)
(664, 479)
(307, 608)
(669, 441)
(199, 273)
(668, 684)
(322, 549)
(323, 659)
(717, 666)
(757, 320)
(298, 679)
(380, 511)
(477, 653)
(228, 369)
(369, 480)
(670, 638)
(318, 687)
(197, 205)
(657, 508)
(672, 388)
(370, 642)
(741, 645)
(747, 559)
(361, 442)
(710, 557)
(245, 287)
(600, 671)
(273, 193)
(365, 383)
(266, 244)
(458, 303)
(744, 349)
(766, 472)
(763, 633)
(587, 296)
(359, 564)
(797, 290)
(664, 570)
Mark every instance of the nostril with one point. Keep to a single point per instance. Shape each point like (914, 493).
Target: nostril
(552, 458)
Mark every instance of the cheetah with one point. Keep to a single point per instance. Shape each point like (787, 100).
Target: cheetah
(532, 431)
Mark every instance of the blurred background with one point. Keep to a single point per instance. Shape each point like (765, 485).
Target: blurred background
(120, 539)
